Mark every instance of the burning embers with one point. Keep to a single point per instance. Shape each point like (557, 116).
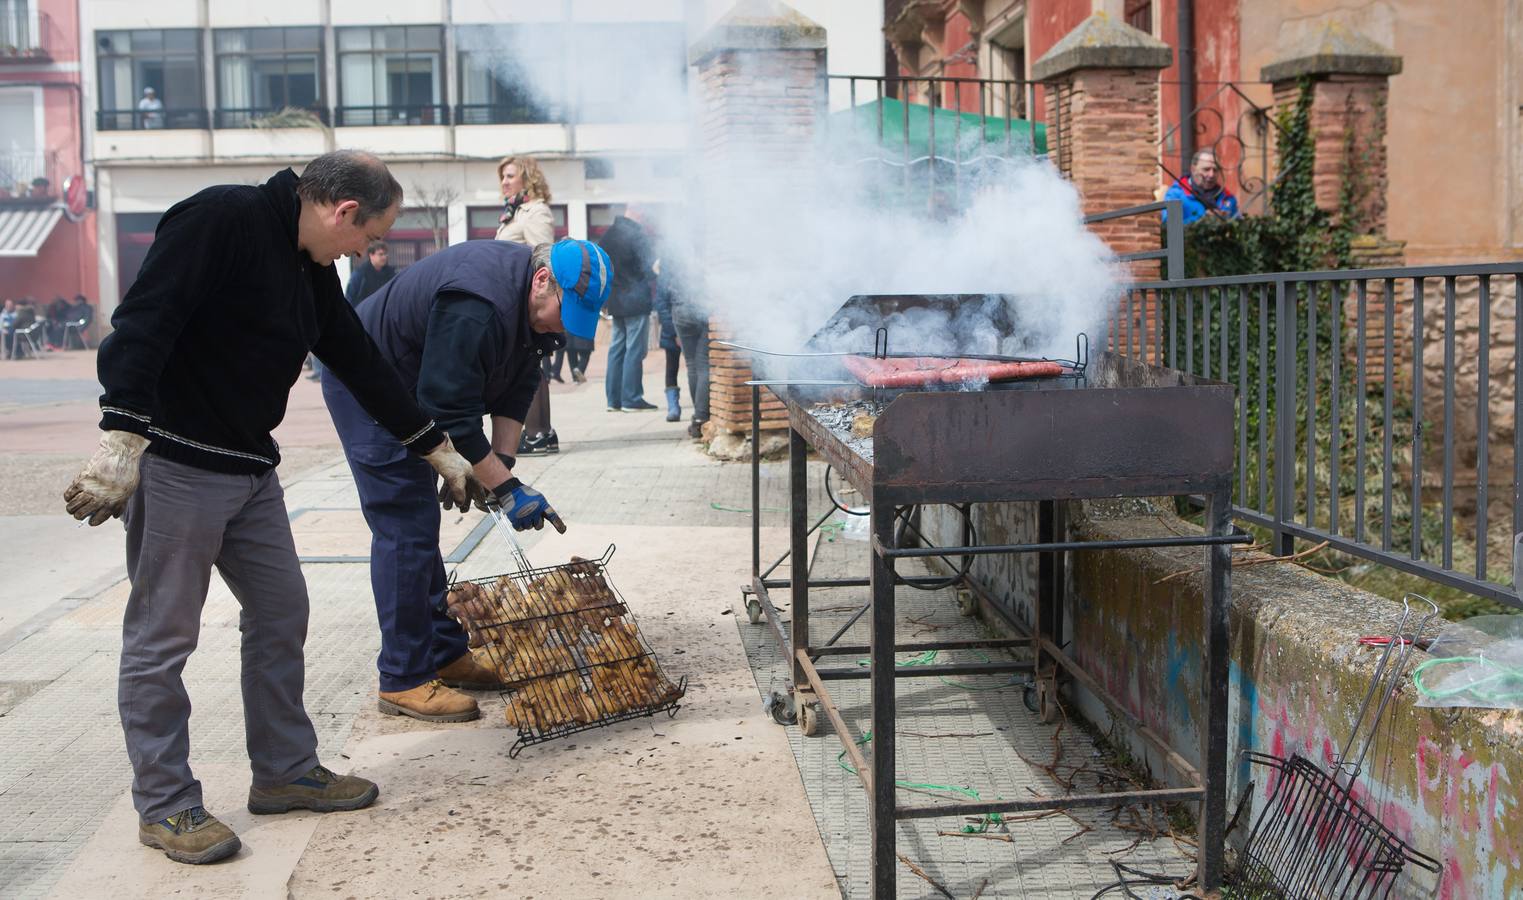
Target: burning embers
(851, 422)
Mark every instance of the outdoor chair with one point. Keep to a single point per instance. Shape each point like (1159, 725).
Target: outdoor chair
(77, 328)
(27, 338)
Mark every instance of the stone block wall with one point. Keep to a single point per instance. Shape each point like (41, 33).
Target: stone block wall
(1440, 779)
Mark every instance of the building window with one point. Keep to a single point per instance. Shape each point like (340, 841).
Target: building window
(417, 233)
(511, 74)
(630, 72)
(150, 79)
(24, 160)
(269, 76)
(391, 76)
(482, 221)
(1139, 15)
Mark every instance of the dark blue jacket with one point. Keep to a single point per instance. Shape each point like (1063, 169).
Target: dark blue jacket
(456, 327)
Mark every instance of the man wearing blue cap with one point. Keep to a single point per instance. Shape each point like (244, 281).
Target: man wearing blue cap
(466, 328)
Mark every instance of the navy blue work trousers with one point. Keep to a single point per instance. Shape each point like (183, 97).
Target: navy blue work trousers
(401, 506)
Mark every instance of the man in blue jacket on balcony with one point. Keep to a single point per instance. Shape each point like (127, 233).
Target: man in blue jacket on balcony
(467, 328)
(1202, 190)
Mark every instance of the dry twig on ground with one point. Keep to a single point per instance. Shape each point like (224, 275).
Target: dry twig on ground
(1252, 562)
(929, 880)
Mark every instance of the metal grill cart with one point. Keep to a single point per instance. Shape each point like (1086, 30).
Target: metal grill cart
(1108, 427)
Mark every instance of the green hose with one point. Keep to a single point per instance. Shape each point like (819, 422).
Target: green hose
(984, 823)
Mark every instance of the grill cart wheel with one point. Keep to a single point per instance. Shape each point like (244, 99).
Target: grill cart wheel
(1029, 698)
(753, 609)
(1047, 700)
(809, 718)
(780, 706)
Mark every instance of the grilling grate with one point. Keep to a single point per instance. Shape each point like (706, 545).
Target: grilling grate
(1314, 839)
(566, 645)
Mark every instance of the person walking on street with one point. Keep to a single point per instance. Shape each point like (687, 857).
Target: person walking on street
(237, 285)
(629, 303)
(666, 276)
(467, 328)
(678, 290)
(527, 219)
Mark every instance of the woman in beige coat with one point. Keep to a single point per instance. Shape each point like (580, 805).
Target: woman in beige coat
(526, 219)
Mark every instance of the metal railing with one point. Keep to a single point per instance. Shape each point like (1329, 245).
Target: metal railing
(1172, 251)
(150, 120)
(23, 40)
(270, 117)
(1239, 132)
(507, 114)
(426, 114)
(1372, 407)
(28, 176)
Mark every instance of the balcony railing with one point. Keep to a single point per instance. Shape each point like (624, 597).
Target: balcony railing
(506, 114)
(23, 40)
(271, 117)
(28, 177)
(431, 114)
(149, 120)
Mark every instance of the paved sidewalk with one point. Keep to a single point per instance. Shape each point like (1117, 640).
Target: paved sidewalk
(686, 806)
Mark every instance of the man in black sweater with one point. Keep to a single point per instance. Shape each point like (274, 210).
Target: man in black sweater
(196, 374)
(467, 329)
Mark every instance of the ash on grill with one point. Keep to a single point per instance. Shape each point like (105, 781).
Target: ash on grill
(851, 421)
(566, 645)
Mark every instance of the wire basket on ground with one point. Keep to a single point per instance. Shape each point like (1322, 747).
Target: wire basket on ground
(566, 647)
(1313, 839)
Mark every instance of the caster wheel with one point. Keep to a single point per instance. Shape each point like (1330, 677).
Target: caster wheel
(780, 707)
(809, 719)
(1047, 701)
(753, 610)
(967, 605)
(1029, 698)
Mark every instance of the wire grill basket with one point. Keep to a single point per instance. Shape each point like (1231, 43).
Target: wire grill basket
(1314, 839)
(566, 647)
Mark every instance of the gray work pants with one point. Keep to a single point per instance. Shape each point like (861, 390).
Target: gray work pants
(182, 521)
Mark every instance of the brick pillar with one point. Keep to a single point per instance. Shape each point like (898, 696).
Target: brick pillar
(1102, 101)
(1348, 76)
(1349, 79)
(761, 73)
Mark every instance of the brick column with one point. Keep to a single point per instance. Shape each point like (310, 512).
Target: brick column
(1102, 101)
(761, 73)
(1349, 78)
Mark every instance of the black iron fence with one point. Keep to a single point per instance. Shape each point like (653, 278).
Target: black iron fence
(1378, 409)
(1240, 134)
(426, 114)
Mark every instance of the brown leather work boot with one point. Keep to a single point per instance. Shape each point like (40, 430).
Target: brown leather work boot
(467, 674)
(191, 836)
(319, 790)
(430, 702)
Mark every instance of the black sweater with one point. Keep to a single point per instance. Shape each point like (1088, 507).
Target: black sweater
(213, 334)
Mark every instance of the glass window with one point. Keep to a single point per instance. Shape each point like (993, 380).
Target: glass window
(150, 79)
(269, 76)
(512, 74)
(481, 221)
(391, 76)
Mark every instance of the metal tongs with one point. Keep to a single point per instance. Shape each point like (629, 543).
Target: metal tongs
(504, 529)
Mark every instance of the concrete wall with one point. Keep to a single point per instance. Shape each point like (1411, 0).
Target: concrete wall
(1442, 781)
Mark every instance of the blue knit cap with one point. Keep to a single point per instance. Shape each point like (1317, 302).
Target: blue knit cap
(583, 271)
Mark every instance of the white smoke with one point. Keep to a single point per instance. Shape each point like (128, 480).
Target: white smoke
(774, 243)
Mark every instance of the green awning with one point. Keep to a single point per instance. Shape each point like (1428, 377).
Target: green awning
(957, 135)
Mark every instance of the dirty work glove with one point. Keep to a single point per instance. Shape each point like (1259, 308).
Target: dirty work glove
(525, 507)
(100, 492)
(460, 488)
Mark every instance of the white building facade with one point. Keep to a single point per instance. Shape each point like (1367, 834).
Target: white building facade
(597, 90)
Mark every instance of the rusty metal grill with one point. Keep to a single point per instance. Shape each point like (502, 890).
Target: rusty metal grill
(1101, 427)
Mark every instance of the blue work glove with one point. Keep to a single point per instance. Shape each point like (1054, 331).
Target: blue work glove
(525, 507)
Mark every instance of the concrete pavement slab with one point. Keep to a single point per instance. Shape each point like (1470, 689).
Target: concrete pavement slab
(683, 807)
(112, 863)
